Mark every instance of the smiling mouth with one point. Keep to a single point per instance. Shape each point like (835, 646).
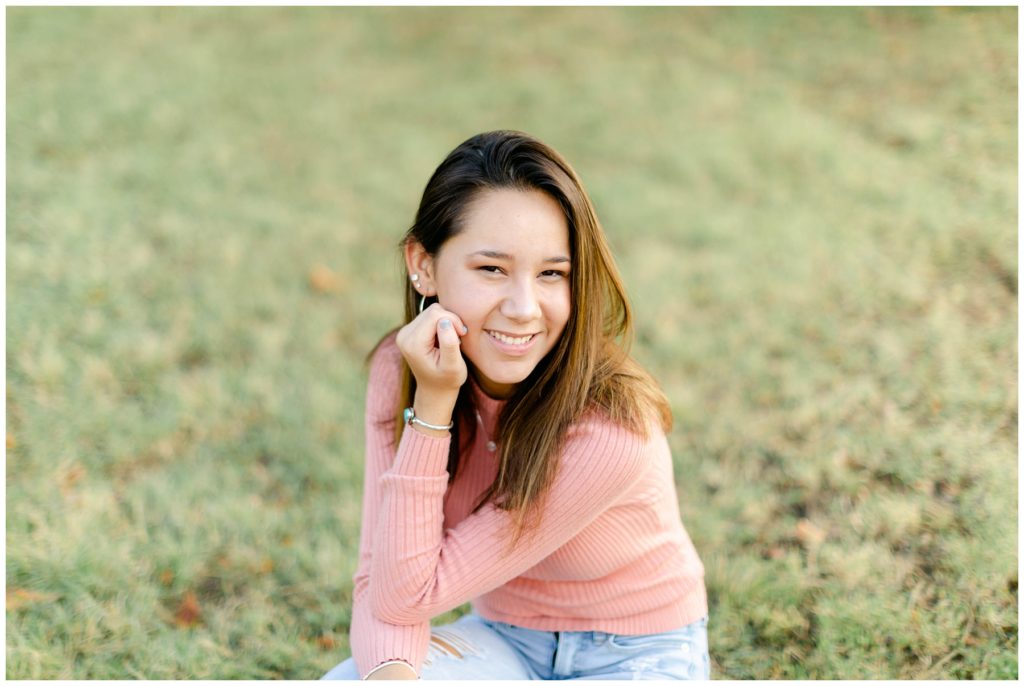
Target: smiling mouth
(511, 340)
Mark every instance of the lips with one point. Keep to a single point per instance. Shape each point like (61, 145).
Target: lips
(513, 346)
(511, 340)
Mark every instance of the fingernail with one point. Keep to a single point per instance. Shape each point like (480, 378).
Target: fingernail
(446, 323)
(465, 329)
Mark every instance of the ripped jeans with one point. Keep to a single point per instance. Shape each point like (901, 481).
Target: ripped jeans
(477, 648)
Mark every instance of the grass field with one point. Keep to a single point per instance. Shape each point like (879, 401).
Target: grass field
(815, 212)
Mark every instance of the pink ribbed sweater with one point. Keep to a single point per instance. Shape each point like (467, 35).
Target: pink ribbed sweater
(611, 553)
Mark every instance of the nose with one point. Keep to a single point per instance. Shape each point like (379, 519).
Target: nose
(521, 303)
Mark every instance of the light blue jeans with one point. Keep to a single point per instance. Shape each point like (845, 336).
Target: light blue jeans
(477, 648)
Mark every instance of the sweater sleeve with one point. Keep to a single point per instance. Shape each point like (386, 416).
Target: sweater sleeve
(375, 641)
(420, 569)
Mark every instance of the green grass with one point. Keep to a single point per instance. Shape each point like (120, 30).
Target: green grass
(814, 210)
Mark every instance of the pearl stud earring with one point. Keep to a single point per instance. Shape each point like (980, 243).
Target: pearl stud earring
(415, 280)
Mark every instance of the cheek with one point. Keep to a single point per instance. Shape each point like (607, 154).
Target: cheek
(454, 296)
(471, 312)
(559, 311)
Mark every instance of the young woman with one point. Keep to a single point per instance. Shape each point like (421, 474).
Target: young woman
(515, 454)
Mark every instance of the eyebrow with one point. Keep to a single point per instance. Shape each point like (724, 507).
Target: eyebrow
(494, 254)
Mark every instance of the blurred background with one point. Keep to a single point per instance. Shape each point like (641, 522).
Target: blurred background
(814, 210)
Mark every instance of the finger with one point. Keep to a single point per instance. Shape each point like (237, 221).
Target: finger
(448, 341)
(437, 312)
(458, 325)
(424, 328)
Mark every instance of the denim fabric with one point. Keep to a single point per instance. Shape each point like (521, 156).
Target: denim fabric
(477, 648)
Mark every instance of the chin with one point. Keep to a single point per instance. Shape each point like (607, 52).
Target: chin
(504, 376)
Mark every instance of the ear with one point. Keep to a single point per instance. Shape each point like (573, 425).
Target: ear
(419, 262)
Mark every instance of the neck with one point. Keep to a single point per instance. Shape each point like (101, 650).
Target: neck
(500, 392)
(486, 403)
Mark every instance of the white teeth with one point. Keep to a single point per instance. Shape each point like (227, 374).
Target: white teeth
(509, 340)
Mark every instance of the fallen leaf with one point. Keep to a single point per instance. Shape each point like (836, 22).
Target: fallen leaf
(10, 441)
(188, 613)
(326, 642)
(323, 280)
(776, 553)
(841, 459)
(266, 566)
(22, 597)
(167, 577)
(68, 477)
(809, 533)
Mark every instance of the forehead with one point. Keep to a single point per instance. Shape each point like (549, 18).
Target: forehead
(521, 223)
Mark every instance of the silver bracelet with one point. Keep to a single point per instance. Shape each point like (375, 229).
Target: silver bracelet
(409, 415)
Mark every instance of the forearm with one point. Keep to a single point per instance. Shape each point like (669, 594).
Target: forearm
(410, 526)
(375, 642)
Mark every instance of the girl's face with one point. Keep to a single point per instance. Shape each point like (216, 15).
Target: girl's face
(506, 275)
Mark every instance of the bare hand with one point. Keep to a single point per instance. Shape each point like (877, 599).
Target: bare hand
(431, 344)
(396, 671)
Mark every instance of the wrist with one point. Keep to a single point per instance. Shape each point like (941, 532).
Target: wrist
(410, 418)
(434, 408)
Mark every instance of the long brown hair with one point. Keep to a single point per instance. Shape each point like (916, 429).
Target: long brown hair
(590, 367)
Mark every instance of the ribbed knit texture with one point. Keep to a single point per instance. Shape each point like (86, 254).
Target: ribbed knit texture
(611, 553)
